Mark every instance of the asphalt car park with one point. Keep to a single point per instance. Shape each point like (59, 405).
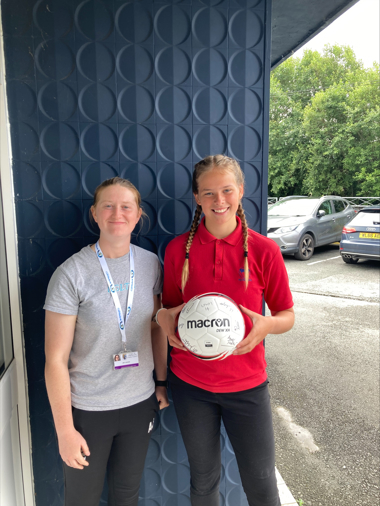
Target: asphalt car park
(324, 382)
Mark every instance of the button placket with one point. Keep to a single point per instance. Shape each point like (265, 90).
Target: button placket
(218, 269)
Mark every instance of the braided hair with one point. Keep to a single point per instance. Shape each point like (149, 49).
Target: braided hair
(224, 163)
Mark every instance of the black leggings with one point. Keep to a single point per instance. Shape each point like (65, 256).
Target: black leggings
(247, 418)
(120, 438)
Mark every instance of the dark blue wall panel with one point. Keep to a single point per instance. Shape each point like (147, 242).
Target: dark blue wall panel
(140, 89)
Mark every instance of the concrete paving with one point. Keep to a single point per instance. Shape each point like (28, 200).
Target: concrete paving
(324, 383)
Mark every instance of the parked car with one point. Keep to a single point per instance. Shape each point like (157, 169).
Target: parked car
(298, 224)
(361, 236)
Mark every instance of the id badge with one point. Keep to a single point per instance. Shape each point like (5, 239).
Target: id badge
(125, 359)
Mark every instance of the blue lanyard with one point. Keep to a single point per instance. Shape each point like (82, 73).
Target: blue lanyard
(112, 289)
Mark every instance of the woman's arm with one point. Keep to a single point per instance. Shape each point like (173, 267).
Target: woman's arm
(278, 323)
(59, 336)
(160, 355)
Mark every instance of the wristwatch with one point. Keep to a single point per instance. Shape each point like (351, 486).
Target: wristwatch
(161, 383)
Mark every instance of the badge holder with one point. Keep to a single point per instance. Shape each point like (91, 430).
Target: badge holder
(125, 358)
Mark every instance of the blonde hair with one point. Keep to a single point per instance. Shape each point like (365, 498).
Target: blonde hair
(121, 182)
(220, 162)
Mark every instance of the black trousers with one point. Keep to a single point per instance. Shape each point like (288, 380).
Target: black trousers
(120, 438)
(247, 418)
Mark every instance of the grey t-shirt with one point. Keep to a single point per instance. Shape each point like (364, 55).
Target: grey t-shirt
(78, 287)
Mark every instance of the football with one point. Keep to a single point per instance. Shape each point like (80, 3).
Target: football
(210, 326)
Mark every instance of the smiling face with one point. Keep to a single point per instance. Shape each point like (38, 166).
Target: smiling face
(219, 195)
(116, 212)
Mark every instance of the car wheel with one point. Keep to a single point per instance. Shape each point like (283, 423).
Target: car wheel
(306, 248)
(350, 260)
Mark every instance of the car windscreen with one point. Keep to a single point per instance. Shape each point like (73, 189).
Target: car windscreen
(364, 218)
(296, 207)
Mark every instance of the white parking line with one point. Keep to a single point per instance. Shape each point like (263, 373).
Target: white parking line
(319, 261)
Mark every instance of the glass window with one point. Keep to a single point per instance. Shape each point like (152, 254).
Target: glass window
(366, 219)
(6, 349)
(339, 206)
(326, 206)
(293, 207)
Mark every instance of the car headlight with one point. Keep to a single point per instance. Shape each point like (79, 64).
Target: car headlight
(284, 230)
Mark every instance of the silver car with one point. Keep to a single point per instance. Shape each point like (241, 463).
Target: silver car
(298, 224)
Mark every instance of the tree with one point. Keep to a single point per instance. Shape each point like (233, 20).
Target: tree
(324, 125)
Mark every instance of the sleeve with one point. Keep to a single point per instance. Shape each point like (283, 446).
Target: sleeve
(172, 293)
(277, 293)
(157, 289)
(61, 295)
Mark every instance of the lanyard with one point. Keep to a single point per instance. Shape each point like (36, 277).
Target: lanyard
(112, 290)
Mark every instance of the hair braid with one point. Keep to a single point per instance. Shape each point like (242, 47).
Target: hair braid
(193, 229)
(244, 226)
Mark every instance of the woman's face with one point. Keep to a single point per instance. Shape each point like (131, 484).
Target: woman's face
(116, 211)
(219, 195)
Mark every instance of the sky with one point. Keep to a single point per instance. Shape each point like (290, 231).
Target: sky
(358, 27)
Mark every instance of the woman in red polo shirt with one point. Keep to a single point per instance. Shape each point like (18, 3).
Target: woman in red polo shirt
(220, 254)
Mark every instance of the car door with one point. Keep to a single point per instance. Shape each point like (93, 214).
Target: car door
(343, 214)
(326, 230)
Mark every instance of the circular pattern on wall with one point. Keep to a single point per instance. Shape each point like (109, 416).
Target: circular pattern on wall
(246, 29)
(63, 218)
(209, 67)
(209, 105)
(136, 104)
(60, 250)
(31, 257)
(142, 177)
(95, 61)
(22, 100)
(94, 20)
(211, 3)
(247, 4)
(173, 65)
(244, 143)
(174, 217)
(176, 479)
(174, 180)
(252, 178)
(174, 143)
(27, 181)
(134, 64)
(57, 101)
(134, 22)
(53, 18)
(232, 472)
(173, 104)
(178, 500)
(145, 243)
(209, 27)
(61, 180)
(209, 140)
(29, 219)
(172, 25)
(173, 449)
(99, 142)
(244, 106)
(25, 139)
(59, 141)
(151, 222)
(97, 102)
(137, 143)
(94, 174)
(49, 53)
(237, 496)
(245, 68)
(150, 483)
(252, 212)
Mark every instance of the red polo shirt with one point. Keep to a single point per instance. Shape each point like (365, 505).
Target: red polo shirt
(217, 265)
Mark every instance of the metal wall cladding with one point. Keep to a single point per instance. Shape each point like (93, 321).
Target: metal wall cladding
(142, 90)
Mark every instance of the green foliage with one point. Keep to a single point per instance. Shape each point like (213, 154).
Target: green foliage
(324, 126)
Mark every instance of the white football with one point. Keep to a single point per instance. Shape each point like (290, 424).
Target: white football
(210, 326)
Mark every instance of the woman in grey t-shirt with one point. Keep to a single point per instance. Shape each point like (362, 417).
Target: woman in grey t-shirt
(100, 355)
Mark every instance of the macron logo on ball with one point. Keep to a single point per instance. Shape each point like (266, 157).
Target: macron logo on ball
(219, 322)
